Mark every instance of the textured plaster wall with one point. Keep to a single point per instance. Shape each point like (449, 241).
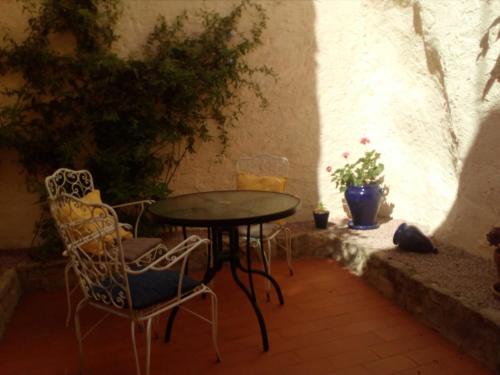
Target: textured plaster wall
(18, 207)
(404, 73)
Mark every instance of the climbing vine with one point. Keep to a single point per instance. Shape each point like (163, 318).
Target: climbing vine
(130, 120)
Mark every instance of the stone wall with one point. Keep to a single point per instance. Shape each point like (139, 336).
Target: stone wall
(402, 72)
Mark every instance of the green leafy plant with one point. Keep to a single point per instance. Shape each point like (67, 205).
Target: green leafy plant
(493, 237)
(320, 208)
(130, 120)
(364, 171)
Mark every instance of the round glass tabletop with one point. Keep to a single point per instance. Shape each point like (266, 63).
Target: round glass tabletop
(231, 207)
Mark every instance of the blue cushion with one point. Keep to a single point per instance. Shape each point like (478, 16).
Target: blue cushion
(146, 289)
(151, 287)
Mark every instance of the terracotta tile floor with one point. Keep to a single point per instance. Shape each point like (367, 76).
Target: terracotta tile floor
(331, 323)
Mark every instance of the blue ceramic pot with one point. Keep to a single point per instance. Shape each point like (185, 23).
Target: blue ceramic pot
(364, 203)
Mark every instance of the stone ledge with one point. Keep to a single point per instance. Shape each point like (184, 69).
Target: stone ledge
(448, 291)
(26, 277)
(46, 276)
(475, 331)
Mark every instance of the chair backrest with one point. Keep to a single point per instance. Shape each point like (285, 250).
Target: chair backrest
(91, 236)
(263, 165)
(74, 183)
(262, 172)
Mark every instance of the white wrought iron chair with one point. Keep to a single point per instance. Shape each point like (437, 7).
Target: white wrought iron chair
(139, 290)
(269, 173)
(79, 183)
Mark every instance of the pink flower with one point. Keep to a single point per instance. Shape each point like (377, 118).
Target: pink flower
(345, 154)
(364, 140)
(329, 169)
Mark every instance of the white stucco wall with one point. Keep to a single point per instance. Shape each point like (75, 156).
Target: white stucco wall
(402, 72)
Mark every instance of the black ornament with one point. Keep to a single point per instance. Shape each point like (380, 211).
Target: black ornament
(410, 238)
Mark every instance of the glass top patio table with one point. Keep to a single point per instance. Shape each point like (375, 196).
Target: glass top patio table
(223, 212)
(227, 207)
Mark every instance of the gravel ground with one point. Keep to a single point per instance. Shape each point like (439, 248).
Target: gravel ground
(464, 276)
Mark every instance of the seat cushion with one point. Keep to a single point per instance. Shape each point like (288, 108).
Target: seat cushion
(267, 230)
(135, 247)
(247, 181)
(73, 212)
(152, 287)
(146, 289)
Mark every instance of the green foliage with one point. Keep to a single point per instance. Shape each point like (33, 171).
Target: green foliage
(364, 171)
(485, 47)
(129, 120)
(493, 237)
(320, 207)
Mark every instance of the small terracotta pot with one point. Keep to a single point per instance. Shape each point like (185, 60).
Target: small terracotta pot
(496, 257)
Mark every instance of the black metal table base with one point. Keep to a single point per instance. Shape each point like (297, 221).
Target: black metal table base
(215, 234)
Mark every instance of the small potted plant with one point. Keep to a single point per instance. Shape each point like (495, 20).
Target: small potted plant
(321, 214)
(493, 238)
(361, 182)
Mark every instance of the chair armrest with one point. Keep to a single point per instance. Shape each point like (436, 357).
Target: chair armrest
(142, 204)
(170, 258)
(126, 226)
(181, 252)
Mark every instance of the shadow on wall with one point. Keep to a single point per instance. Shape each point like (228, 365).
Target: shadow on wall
(297, 130)
(289, 126)
(477, 204)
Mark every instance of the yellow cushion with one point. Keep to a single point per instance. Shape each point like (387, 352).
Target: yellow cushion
(95, 197)
(92, 197)
(73, 213)
(247, 181)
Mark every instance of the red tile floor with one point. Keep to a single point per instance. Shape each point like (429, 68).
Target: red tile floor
(331, 323)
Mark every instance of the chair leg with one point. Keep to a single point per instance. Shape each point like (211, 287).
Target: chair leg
(211, 262)
(214, 325)
(148, 345)
(288, 249)
(78, 332)
(68, 293)
(156, 327)
(211, 283)
(255, 244)
(267, 257)
(134, 345)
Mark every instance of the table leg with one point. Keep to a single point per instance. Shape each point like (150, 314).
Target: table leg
(265, 260)
(235, 264)
(210, 260)
(264, 273)
(267, 276)
(249, 264)
(170, 323)
(184, 234)
(175, 310)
